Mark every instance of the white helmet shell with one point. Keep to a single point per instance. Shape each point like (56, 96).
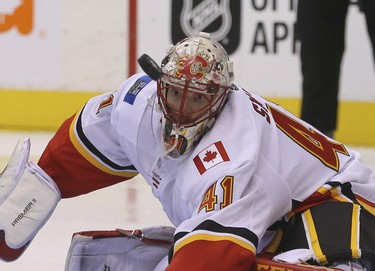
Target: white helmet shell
(195, 79)
(197, 65)
(199, 58)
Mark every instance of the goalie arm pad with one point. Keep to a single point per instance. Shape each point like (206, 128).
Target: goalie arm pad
(28, 196)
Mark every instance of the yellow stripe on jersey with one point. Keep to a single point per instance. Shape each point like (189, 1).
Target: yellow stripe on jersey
(89, 157)
(212, 238)
(367, 206)
(324, 189)
(337, 195)
(275, 241)
(313, 236)
(354, 240)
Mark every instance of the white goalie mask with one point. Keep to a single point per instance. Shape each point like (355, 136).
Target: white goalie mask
(192, 89)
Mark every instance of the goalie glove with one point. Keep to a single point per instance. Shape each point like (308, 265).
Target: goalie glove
(28, 196)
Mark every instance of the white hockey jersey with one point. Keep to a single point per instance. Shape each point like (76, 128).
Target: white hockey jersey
(254, 167)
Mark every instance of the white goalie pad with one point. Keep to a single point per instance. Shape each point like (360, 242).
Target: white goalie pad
(28, 196)
(300, 255)
(120, 250)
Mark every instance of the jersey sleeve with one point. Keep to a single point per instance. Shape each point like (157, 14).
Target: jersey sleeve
(85, 154)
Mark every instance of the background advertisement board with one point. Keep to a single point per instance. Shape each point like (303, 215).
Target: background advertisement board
(260, 37)
(54, 45)
(58, 53)
(28, 43)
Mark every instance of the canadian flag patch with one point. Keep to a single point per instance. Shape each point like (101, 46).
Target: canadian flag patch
(210, 156)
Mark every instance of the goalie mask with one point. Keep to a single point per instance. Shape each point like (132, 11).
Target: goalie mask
(192, 86)
(196, 76)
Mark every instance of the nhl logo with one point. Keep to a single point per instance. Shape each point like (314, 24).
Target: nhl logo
(220, 18)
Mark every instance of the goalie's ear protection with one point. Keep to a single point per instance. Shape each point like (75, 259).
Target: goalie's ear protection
(150, 67)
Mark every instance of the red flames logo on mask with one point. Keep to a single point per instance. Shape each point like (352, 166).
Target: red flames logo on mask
(194, 67)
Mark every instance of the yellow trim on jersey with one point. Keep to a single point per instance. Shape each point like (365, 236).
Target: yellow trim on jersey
(275, 241)
(323, 189)
(311, 231)
(354, 242)
(208, 237)
(336, 194)
(368, 207)
(47, 109)
(89, 157)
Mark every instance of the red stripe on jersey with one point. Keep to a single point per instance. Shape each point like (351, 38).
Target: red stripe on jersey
(212, 255)
(368, 205)
(315, 199)
(73, 174)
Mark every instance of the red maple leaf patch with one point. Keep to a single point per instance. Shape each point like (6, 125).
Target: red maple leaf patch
(209, 156)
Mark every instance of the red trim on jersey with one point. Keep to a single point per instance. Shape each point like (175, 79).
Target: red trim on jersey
(212, 255)
(368, 205)
(315, 199)
(73, 174)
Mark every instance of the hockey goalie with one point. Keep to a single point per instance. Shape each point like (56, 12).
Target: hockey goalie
(246, 184)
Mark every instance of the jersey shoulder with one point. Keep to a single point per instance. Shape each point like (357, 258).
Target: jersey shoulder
(136, 88)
